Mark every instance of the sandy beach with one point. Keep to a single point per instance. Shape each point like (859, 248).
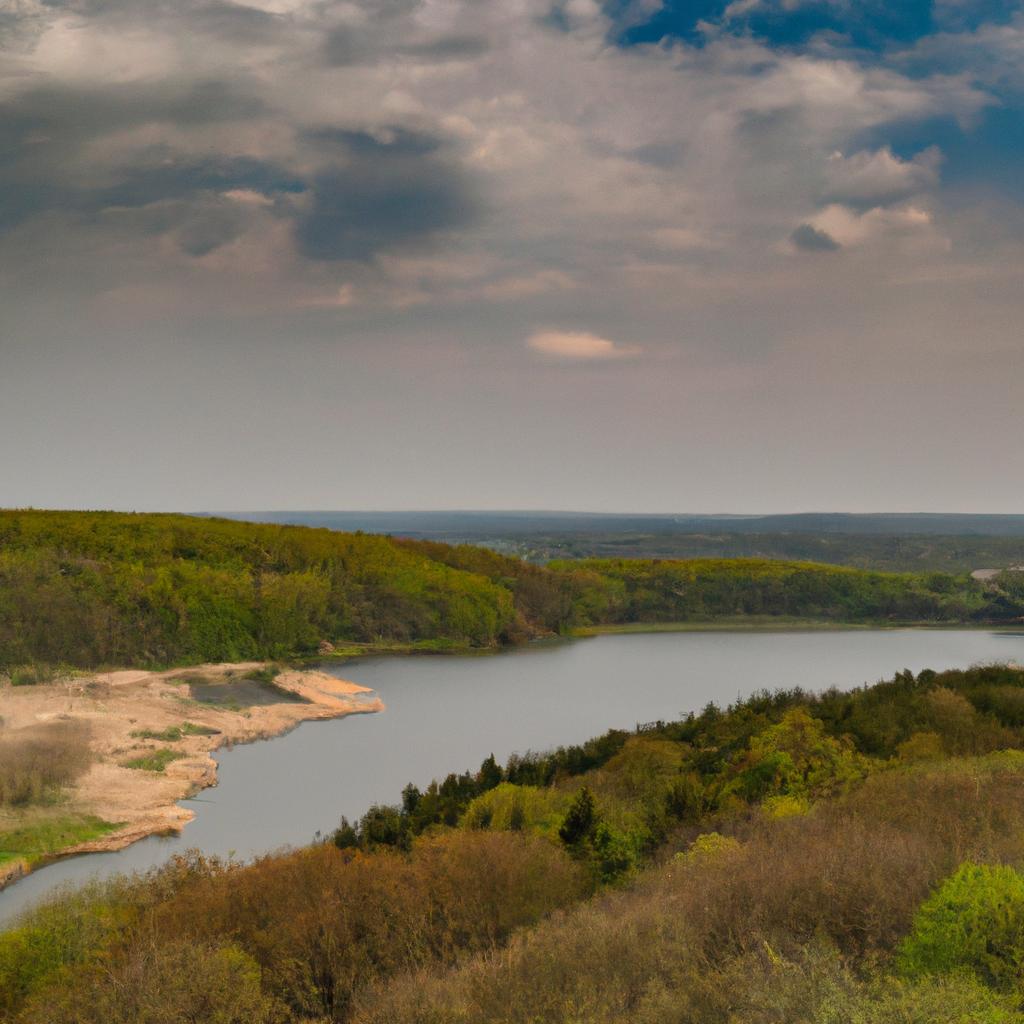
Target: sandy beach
(122, 708)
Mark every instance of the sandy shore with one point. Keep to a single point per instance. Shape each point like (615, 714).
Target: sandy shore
(118, 704)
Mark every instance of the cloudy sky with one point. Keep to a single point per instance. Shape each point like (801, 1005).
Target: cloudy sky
(691, 255)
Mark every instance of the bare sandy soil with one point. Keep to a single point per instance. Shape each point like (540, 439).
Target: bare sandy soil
(118, 704)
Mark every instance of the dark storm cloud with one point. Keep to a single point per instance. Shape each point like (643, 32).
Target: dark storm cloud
(63, 117)
(179, 178)
(391, 142)
(46, 131)
(810, 239)
(177, 189)
(368, 206)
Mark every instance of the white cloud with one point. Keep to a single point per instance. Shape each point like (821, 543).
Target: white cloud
(579, 346)
(880, 177)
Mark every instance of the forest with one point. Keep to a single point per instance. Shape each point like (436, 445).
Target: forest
(832, 858)
(90, 589)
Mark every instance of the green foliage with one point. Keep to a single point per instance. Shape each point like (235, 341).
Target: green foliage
(697, 590)
(507, 807)
(42, 834)
(935, 1000)
(104, 588)
(108, 588)
(154, 760)
(973, 922)
(580, 820)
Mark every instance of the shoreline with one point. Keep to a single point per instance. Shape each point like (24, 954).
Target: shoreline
(136, 714)
(749, 624)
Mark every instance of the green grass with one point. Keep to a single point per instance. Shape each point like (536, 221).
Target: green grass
(154, 760)
(192, 729)
(45, 836)
(173, 733)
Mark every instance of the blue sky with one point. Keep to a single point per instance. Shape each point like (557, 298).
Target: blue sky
(700, 256)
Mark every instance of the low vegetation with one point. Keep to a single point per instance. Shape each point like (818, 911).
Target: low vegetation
(154, 760)
(35, 763)
(90, 589)
(827, 859)
(39, 834)
(173, 733)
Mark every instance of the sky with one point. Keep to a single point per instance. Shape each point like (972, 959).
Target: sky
(692, 255)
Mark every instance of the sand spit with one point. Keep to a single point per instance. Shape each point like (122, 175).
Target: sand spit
(119, 706)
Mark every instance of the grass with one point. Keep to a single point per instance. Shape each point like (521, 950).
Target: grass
(154, 760)
(45, 835)
(173, 733)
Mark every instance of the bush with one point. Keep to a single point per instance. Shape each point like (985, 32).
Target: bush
(161, 983)
(36, 761)
(974, 922)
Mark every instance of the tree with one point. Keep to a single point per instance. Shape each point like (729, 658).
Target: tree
(580, 820)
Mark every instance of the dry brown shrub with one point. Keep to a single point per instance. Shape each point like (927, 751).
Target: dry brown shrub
(322, 923)
(37, 760)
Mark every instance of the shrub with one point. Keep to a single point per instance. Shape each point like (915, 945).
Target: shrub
(36, 761)
(161, 983)
(974, 922)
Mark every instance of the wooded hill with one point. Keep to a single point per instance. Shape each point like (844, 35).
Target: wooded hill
(104, 588)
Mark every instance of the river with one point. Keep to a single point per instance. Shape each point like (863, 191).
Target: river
(447, 713)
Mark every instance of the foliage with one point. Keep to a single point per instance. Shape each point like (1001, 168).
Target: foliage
(974, 922)
(644, 590)
(104, 588)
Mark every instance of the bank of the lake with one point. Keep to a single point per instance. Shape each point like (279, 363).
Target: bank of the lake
(447, 713)
(151, 737)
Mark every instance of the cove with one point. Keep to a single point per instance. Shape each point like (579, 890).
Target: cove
(447, 713)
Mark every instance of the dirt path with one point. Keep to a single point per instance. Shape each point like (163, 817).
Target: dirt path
(119, 706)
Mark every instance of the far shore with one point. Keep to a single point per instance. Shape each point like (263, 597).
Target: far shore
(776, 624)
(149, 718)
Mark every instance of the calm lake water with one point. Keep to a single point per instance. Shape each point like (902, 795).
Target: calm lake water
(448, 713)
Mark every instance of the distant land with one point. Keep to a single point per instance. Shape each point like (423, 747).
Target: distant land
(892, 541)
(440, 524)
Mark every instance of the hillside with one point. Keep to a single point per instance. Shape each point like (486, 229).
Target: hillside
(112, 589)
(792, 858)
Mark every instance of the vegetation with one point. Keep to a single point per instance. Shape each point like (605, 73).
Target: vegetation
(845, 857)
(634, 590)
(99, 588)
(173, 733)
(39, 834)
(154, 760)
(36, 762)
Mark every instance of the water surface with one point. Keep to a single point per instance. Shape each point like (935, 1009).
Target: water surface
(447, 713)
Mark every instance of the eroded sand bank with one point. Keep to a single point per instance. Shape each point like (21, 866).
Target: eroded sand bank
(119, 704)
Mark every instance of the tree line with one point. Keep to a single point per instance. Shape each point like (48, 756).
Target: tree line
(103, 588)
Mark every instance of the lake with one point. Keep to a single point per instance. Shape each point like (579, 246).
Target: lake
(447, 713)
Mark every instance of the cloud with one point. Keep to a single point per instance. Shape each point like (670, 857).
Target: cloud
(872, 179)
(579, 346)
(394, 189)
(812, 239)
